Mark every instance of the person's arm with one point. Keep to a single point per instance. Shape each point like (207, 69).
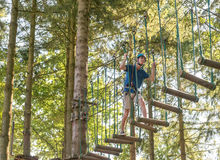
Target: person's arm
(123, 65)
(152, 76)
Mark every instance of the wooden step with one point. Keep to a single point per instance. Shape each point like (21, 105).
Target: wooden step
(209, 63)
(89, 158)
(106, 151)
(129, 138)
(109, 148)
(197, 80)
(180, 94)
(144, 126)
(97, 156)
(152, 121)
(118, 141)
(165, 106)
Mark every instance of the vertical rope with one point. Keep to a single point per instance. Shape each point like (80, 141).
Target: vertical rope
(178, 56)
(178, 39)
(114, 94)
(93, 111)
(109, 113)
(135, 70)
(165, 68)
(194, 55)
(105, 102)
(210, 39)
(97, 106)
(197, 21)
(161, 43)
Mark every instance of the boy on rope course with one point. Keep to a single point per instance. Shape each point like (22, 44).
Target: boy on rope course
(141, 76)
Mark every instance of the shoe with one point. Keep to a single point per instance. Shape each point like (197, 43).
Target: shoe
(122, 133)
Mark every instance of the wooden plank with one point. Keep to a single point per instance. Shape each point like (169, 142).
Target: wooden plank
(109, 148)
(144, 126)
(89, 158)
(129, 138)
(153, 121)
(165, 106)
(209, 63)
(107, 151)
(97, 156)
(197, 80)
(117, 141)
(180, 94)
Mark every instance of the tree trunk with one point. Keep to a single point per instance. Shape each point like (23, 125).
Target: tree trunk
(66, 101)
(182, 140)
(29, 82)
(7, 107)
(71, 68)
(81, 73)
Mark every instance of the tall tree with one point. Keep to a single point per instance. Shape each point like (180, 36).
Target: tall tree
(7, 107)
(71, 66)
(29, 82)
(81, 71)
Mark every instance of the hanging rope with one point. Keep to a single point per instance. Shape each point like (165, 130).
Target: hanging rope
(105, 103)
(97, 106)
(93, 110)
(179, 50)
(210, 39)
(197, 21)
(161, 42)
(114, 94)
(194, 55)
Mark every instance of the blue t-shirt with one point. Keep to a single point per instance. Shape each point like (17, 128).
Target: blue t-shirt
(141, 75)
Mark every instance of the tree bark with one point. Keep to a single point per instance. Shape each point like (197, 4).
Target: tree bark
(71, 68)
(7, 107)
(81, 73)
(29, 82)
(66, 99)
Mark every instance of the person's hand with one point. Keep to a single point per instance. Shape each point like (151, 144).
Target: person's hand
(154, 65)
(125, 56)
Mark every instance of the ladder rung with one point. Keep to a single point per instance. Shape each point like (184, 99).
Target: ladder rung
(129, 138)
(89, 158)
(144, 126)
(209, 63)
(118, 141)
(153, 121)
(197, 80)
(106, 151)
(109, 148)
(97, 156)
(180, 94)
(165, 106)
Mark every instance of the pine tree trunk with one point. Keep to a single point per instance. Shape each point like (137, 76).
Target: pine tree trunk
(7, 107)
(66, 100)
(182, 140)
(29, 82)
(71, 69)
(81, 74)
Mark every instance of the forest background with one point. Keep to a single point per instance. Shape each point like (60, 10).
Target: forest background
(111, 23)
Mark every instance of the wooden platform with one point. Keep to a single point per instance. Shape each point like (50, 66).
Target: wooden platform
(180, 94)
(109, 148)
(144, 126)
(22, 157)
(90, 154)
(197, 80)
(209, 63)
(152, 121)
(106, 151)
(129, 138)
(165, 106)
(118, 141)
